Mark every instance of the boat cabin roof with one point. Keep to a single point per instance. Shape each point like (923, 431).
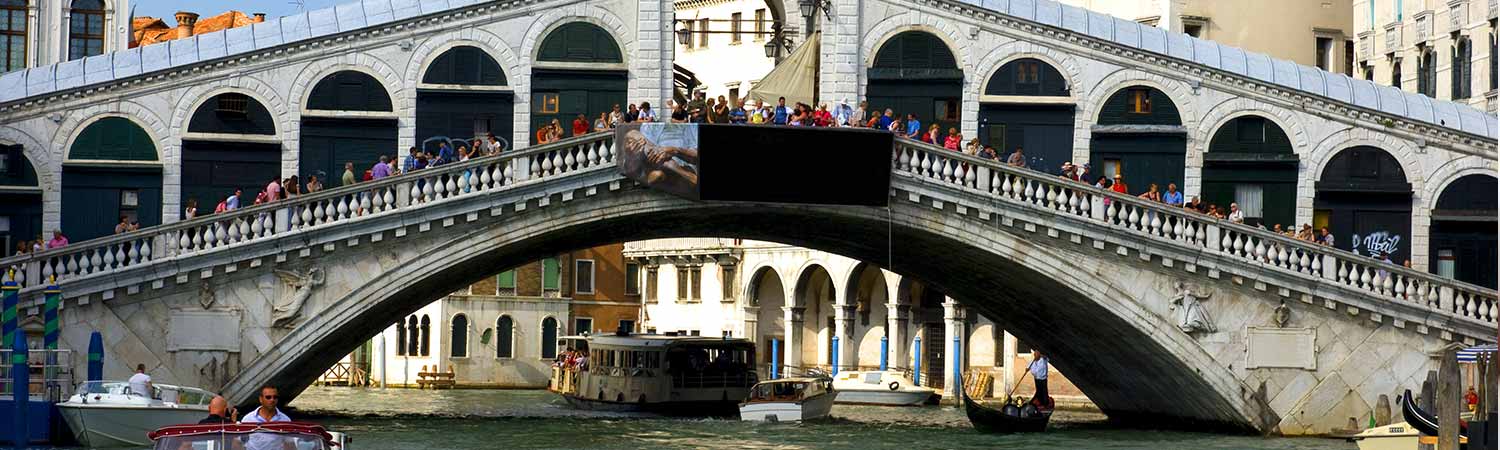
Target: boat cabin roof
(791, 380)
(657, 340)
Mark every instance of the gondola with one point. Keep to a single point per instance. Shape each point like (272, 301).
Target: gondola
(1009, 419)
(1424, 422)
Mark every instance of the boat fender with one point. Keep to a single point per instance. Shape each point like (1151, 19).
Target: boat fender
(894, 385)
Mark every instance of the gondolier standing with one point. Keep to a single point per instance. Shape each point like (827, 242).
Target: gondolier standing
(1038, 369)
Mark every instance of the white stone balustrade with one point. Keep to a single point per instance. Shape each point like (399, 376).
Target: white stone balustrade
(257, 223)
(1158, 221)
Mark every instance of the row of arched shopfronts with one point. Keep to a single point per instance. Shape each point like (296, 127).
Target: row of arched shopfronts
(1362, 195)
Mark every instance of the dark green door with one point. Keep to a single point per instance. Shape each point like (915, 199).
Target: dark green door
(1044, 131)
(211, 171)
(564, 94)
(95, 197)
(1142, 158)
(328, 143)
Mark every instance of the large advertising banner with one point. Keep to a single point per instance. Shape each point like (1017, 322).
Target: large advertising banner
(766, 164)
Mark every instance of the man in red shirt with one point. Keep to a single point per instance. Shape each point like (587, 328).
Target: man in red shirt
(580, 126)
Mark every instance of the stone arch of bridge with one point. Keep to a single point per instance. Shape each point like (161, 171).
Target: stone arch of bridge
(1094, 329)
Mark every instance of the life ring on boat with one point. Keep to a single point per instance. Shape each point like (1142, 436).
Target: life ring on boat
(894, 385)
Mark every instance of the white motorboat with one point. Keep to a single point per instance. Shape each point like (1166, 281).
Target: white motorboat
(1396, 436)
(108, 414)
(880, 388)
(788, 400)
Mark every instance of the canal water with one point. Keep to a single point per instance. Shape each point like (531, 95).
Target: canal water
(513, 419)
(406, 419)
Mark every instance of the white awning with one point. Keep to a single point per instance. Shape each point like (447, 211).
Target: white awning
(795, 78)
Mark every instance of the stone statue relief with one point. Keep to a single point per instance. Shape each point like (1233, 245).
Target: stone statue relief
(302, 286)
(1191, 316)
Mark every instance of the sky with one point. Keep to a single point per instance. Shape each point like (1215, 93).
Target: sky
(273, 8)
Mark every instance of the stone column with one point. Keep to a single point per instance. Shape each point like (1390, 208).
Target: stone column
(750, 328)
(842, 58)
(953, 322)
(792, 348)
(897, 317)
(843, 327)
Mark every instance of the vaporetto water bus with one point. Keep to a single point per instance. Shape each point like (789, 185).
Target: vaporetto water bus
(680, 375)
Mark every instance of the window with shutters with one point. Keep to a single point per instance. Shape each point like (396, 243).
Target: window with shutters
(349, 90)
(1462, 69)
(1427, 73)
(459, 337)
(1323, 46)
(505, 283)
(1140, 101)
(400, 338)
(505, 337)
(13, 30)
(113, 139)
(549, 338)
(651, 292)
(734, 27)
(703, 33)
(413, 336)
(579, 42)
(551, 275)
(632, 279)
(426, 335)
(1396, 74)
(760, 24)
(85, 28)
(583, 276)
(683, 284)
(464, 65)
(727, 283)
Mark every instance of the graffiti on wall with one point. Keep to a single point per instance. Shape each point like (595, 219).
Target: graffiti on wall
(1376, 244)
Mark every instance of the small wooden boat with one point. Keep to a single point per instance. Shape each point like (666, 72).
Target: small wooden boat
(1007, 419)
(789, 400)
(1396, 436)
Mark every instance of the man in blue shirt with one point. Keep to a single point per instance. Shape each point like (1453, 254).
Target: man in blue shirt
(885, 120)
(737, 115)
(1173, 197)
(913, 126)
(781, 112)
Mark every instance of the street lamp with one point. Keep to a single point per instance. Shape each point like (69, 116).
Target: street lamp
(810, 7)
(684, 36)
(771, 47)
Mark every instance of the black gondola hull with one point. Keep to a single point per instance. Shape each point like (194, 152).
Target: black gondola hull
(990, 420)
(1424, 422)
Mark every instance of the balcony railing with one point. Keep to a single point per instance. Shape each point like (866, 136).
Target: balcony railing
(328, 208)
(1157, 221)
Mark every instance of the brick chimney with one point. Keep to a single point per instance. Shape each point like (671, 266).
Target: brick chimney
(258, 17)
(185, 22)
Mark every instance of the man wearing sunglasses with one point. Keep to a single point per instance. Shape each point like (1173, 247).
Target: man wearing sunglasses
(267, 412)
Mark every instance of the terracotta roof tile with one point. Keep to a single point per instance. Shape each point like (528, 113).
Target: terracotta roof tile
(151, 30)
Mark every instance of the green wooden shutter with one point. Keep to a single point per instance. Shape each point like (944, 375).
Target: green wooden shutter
(506, 279)
(551, 274)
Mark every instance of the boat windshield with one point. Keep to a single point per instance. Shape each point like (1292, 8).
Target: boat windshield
(259, 440)
(778, 391)
(181, 395)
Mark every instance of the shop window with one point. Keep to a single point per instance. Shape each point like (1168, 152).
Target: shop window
(1140, 101)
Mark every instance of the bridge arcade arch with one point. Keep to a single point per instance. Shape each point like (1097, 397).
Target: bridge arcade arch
(232, 142)
(113, 170)
(767, 294)
(1139, 135)
(21, 193)
(1463, 230)
(1364, 198)
(915, 72)
(1027, 102)
(579, 69)
(812, 336)
(464, 94)
(349, 116)
(1251, 161)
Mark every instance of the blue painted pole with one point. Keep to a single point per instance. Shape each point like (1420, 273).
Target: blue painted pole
(96, 357)
(775, 359)
(916, 361)
(20, 382)
(958, 370)
(885, 346)
(834, 356)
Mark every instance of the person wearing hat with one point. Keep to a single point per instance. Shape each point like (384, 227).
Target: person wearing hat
(1120, 186)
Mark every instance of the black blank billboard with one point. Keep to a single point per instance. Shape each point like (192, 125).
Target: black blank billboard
(775, 164)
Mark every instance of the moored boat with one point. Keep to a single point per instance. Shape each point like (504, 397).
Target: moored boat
(107, 413)
(1424, 422)
(880, 387)
(277, 435)
(683, 375)
(1011, 418)
(789, 400)
(1396, 436)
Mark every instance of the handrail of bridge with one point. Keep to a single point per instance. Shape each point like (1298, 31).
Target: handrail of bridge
(1387, 281)
(214, 232)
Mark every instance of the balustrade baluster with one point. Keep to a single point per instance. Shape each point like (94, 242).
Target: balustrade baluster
(1156, 228)
(1387, 284)
(450, 188)
(1261, 256)
(1134, 218)
(330, 212)
(1365, 278)
(96, 263)
(569, 162)
(1113, 213)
